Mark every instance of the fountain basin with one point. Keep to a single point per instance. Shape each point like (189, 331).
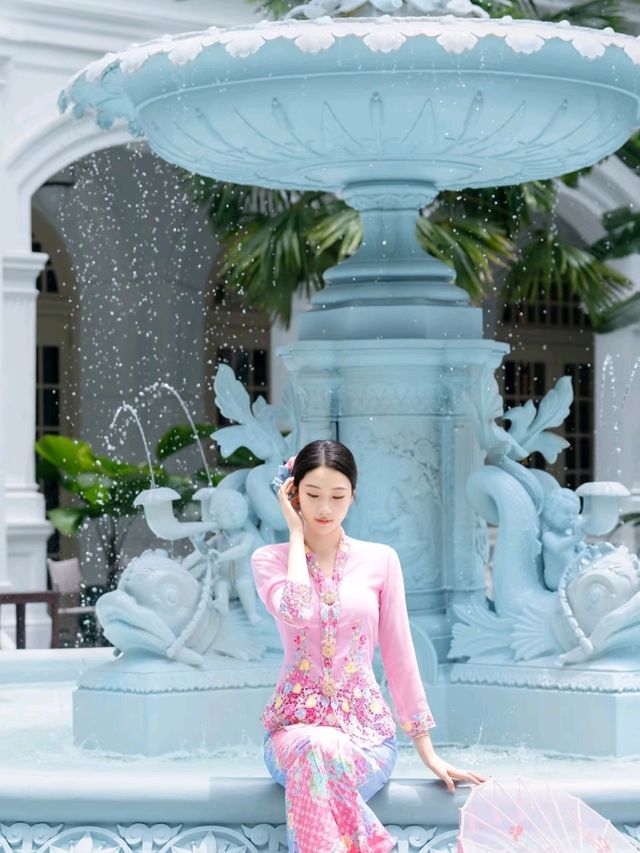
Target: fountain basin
(324, 104)
(55, 796)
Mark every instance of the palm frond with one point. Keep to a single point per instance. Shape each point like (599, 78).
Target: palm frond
(594, 13)
(509, 208)
(270, 257)
(623, 234)
(229, 205)
(339, 232)
(630, 152)
(267, 262)
(617, 316)
(546, 262)
(471, 246)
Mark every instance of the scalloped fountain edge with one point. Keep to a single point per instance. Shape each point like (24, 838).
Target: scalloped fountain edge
(383, 34)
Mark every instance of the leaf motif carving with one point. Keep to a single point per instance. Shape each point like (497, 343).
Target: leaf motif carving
(478, 630)
(528, 427)
(232, 398)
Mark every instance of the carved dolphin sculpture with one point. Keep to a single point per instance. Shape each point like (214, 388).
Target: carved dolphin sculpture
(160, 607)
(595, 610)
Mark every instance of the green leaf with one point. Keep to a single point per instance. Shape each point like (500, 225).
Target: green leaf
(92, 488)
(113, 468)
(508, 209)
(271, 256)
(69, 455)
(595, 13)
(179, 437)
(46, 470)
(242, 458)
(67, 520)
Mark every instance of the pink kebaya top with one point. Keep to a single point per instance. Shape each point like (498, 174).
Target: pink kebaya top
(329, 630)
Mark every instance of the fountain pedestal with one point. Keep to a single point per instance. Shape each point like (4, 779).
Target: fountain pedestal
(390, 289)
(402, 407)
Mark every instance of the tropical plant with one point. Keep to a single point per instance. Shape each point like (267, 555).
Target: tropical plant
(275, 242)
(103, 490)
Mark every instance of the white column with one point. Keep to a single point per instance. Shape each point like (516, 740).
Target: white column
(27, 530)
(4, 578)
(3, 230)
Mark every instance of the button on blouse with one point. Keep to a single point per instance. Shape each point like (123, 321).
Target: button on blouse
(329, 630)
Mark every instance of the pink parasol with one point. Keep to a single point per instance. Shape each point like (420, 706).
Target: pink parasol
(520, 815)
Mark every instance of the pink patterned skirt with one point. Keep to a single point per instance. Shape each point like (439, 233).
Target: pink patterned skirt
(327, 780)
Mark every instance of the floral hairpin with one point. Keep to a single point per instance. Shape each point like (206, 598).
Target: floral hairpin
(284, 472)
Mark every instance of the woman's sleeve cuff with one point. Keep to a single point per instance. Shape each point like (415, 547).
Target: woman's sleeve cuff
(418, 726)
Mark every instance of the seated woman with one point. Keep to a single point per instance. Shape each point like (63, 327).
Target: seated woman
(331, 737)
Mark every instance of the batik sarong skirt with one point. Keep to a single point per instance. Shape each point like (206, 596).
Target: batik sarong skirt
(327, 781)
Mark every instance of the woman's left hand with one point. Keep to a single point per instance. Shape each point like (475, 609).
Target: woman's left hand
(443, 770)
(449, 774)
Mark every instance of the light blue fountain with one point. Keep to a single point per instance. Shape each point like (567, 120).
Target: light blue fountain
(385, 111)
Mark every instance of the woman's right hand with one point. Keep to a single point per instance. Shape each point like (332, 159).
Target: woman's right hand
(291, 514)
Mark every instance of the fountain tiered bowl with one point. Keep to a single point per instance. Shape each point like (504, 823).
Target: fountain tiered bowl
(324, 104)
(385, 112)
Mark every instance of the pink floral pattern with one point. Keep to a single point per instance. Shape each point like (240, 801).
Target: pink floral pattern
(295, 604)
(322, 772)
(329, 594)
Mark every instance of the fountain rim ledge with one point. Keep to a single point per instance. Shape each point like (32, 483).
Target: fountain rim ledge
(384, 34)
(108, 795)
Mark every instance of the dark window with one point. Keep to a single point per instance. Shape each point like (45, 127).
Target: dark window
(251, 367)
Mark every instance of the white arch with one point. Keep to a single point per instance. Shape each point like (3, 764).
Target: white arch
(56, 142)
(609, 185)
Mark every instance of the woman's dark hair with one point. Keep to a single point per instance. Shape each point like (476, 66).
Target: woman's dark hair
(331, 454)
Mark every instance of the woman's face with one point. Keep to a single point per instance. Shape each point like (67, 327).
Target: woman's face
(325, 497)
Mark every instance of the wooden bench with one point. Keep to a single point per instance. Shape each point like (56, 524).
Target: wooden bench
(20, 600)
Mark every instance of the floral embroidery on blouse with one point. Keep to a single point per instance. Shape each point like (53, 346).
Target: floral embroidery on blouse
(334, 683)
(296, 601)
(296, 694)
(329, 594)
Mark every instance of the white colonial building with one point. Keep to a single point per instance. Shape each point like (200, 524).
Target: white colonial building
(108, 281)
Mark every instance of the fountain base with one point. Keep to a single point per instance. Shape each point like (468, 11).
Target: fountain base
(538, 705)
(145, 705)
